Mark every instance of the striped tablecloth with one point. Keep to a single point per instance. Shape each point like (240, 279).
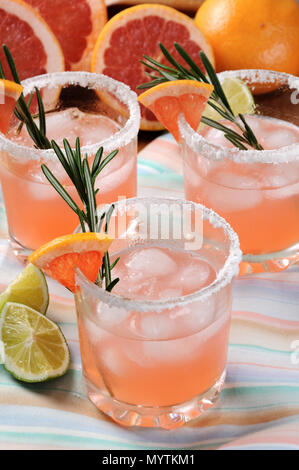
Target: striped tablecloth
(259, 407)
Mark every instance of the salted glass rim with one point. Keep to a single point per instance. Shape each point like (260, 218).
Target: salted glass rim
(89, 80)
(212, 151)
(224, 276)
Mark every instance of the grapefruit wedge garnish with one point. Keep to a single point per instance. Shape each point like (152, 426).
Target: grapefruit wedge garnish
(169, 99)
(76, 25)
(9, 95)
(33, 45)
(139, 30)
(60, 257)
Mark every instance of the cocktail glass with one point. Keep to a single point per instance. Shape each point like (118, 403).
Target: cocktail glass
(257, 192)
(77, 104)
(154, 349)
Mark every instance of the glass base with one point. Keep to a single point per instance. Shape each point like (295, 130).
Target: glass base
(20, 251)
(164, 417)
(270, 262)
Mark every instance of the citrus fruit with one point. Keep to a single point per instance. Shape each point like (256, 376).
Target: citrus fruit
(139, 30)
(252, 35)
(76, 26)
(61, 256)
(186, 5)
(35, 349)
(29, 288)
(34, 47)
(9, 95)
(169, 99)
(239, 97)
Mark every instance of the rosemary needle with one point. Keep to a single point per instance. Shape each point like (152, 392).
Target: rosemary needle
(218, 100)
(22, 111)
(84, 178)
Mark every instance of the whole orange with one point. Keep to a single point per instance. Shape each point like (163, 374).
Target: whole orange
(262, 34)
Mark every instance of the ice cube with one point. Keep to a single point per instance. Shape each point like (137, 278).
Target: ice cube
(135, 353)
(95, 334)
(216, 137)
(64, 124)
(227, 199)
(279, 138)
(132, 286)
(95, 128)
(280, 175)
(41, 192)
(195, 276)
(229, 179)
(157, 326)
(282, 193)
(255, 123)
(150, 262)
(110, 317)
(112, 358)
(173, 351)
(201, 314)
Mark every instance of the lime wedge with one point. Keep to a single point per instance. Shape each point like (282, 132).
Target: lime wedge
(239, 97)
(35, 349)
(29, 288)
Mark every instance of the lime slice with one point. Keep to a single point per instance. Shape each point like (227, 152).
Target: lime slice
(29, 288)
(239, 97)
(35, 349)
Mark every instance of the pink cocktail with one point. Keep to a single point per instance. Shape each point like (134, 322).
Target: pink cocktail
(78, 104)
(257, 192)
(154, 350)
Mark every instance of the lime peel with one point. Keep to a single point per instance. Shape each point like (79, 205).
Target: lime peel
(2, 353)
(35, 349)
(29, 288)
(239, 97)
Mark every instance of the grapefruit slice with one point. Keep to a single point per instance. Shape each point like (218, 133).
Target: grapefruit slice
(34, 47)
(169, 99)
(139, 30)
(76, 26)
(61, 256)
(9, 95)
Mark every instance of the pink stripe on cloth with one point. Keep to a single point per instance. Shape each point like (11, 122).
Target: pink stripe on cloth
(266, 320)
(286, 435)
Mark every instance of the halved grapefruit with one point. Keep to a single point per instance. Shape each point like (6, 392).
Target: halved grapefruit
(34, 47)
(61, 256)
(139, 30)
(9, 95)
(169, 99)
(185, 5)
(76, 26)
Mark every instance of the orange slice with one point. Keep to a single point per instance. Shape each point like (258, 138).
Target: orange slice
(76, 24)
(9, 95)
(169, 99)
(61, 256)
(139, 30)
(34, 47)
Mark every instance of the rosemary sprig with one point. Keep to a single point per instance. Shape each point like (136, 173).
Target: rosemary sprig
(84, 178)
(22, 111)
(78, 170)
(217, 101)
